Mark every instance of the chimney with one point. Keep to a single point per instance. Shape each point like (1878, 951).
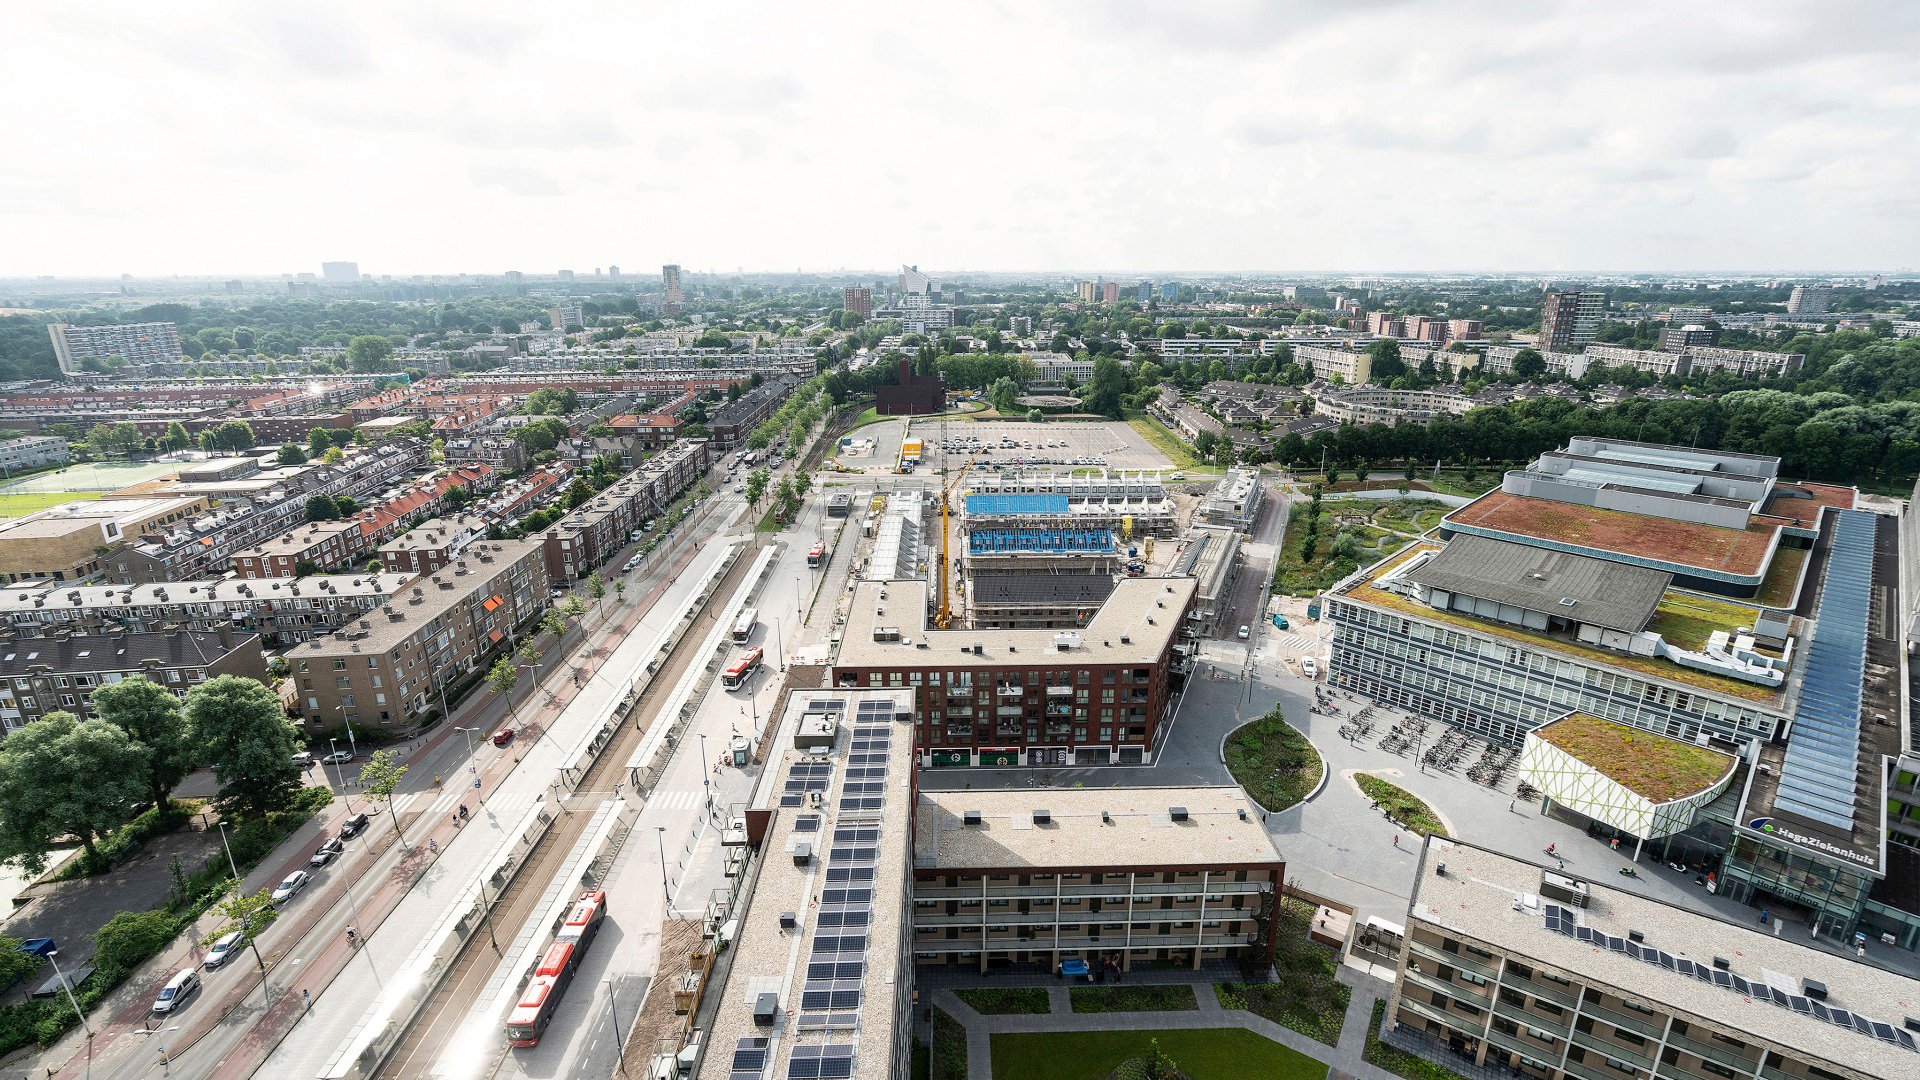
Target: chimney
(225, 629)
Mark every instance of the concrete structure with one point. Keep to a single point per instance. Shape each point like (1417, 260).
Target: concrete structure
(672, 296)
(1675, 338)
(73, 541)
(1498, 360)
(283, 610)
(340, 272)
(1375, 405)
(820, 982)
(1130, 504)
(859, 300)
(1809, 299)
(1123, 875)
(1569, 320)
(1032, 697)
(144, 347)
(565, 316)
(392, 666)
(1644, 785)
(1465, 329)
(32, 452)
(1335, 364)
(42, 675)
(1525, 969)
(1234, 501)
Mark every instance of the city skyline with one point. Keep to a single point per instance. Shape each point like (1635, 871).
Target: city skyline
(1231, 139)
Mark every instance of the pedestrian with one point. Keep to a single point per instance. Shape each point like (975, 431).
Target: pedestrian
(1509, 806)
(1396, 839)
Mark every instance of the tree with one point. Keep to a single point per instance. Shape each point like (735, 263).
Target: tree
(1204, 442)
(369, 352)
(334, 455)
(756, 486)
(1386, 363)
(596, 588)
(291, 454)
(241, 729)
(379, 778)
(1108, 386)
(502, 677)
(318, 441)
(176, 439)
(114, 440)
(1004, 394)
(322, 507)
(15, 962)
(151, 717)
(802, 483)
(1529, 364)
(249, 914)
(63, 777)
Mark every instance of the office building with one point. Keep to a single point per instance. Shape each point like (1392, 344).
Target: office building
(915, 283)
(101, 349)
(342, 273)
(820, 981)
(59, 674)
(859, 300)
(1809, 299)
(1569, 320)
(391, 667)
(1123, 876)
(30, 452)
(1547, 976)
(1026, 697)
(672, 295)
(566, 316)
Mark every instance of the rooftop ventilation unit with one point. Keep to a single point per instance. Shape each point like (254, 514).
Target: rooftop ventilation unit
(1177, 813)
(802, 853)
(1815, 990)
(765, 1008)
(1106, 818)
(970, 817)
(1636, 936)
(1043, 817)
(789, 920)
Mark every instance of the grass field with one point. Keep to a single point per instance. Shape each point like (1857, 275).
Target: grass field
(21, 503)
(1203, 1054)
(98, 476)
(1164, 440)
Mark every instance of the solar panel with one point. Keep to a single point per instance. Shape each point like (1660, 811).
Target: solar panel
(1817, 778)
(749, 1058)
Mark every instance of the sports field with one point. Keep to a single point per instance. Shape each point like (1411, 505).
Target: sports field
(19, 504)
(97, 476)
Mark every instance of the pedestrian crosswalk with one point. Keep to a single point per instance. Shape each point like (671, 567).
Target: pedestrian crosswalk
(1295, 643)
(683, 799)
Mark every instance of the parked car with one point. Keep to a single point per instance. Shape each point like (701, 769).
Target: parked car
(224, 949)
(353, 826)
(302, 759)
(1308, 667)
(339, 757)
(182, 986)
(503, 736)
(290, 886)
(1244, 632)
(327, 852)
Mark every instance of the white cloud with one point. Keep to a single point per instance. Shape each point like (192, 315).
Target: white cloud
(236, 138)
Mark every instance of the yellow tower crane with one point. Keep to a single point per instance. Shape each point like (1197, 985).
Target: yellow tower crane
(943, 618)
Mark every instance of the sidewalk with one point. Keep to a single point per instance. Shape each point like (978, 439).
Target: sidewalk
(1345, 1057)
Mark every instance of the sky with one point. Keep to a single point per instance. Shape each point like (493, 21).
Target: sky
(1364, 135)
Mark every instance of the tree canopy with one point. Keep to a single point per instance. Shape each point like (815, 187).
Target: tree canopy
(241, 729)
(63, 777)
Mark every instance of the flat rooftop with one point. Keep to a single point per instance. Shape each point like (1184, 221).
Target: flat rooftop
(1134, 626)
(1222, 828)
(1577, 587)
(57, 596)
(1681, 612)
(837, 973)
(1802, 502)
(1680, 543)
(479, 568)
(1654, 767)
(1476, 899)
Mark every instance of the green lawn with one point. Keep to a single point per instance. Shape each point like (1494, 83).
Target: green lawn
(1000, 1001)
(949, 1051)
(21, 503)
(1140, 997)
(1203, 1054)
(1402, 805)
(1273, 761)
(1164, 440)
(1307, 997)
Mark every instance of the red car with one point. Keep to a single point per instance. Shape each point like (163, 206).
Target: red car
(503, 736)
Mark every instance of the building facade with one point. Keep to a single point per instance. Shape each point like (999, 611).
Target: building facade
(859, 300)
(1569, 320)
(33, 452)
(43, 675)
(141, 346)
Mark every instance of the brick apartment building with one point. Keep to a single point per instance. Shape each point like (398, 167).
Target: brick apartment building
(284, 610)
(389, 667)
(1026, 697)
(72, 542)
(44, 675)
(582, 541)
(431, 544)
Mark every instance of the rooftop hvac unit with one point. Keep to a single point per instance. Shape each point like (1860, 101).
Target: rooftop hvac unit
(1564, 889)
(1177, 813)
(802, 853)
(970, 817)
(1043, 817)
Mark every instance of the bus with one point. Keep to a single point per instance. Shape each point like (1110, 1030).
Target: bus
(743, 626)
(741, 669)
(541, 997)
(817, 554)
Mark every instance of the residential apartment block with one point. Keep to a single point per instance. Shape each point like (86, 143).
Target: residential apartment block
(1809, 299)
(1126, 875)
(731, 423)
(152, 346)
(391, 666)
(1569, 320)
(313, 546)
(1531, 971)
(1351, 366)
(581, 542)
(75, 541)
(283, 610)
(1373, 405)
(859, 300)
(1026, 697)
(39, 675)
(431, 544)
(32, 452)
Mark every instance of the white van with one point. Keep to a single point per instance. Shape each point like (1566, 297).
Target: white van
(182, 986)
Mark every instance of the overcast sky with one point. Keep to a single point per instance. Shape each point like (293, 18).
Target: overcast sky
(244, 138)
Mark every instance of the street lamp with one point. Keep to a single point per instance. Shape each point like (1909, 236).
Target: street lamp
(338, 775)
(780, 644)
(50, 954)
(230, 863)
(468, 732)
(613, 1014)
(347, 717)
(706, 774)
(660, 840)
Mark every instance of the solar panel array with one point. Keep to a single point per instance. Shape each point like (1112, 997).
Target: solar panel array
(1817, 778)
(1562, 920)
(1023, 503)
(986, 541)
(833, 991)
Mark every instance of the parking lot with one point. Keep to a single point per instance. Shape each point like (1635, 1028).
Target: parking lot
(1087, 444)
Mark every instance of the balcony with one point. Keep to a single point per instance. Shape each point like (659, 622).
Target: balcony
(1464, 1025)
(1011, 690)
(1059, 731)
(1596, 1044)
(1060, 710)
(1440, 956)
(1014, 711)
(1467, 992)
(1007, 731)
(959, 692)
(1060, 691)
(1645, 1026)
(1725, 1055)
